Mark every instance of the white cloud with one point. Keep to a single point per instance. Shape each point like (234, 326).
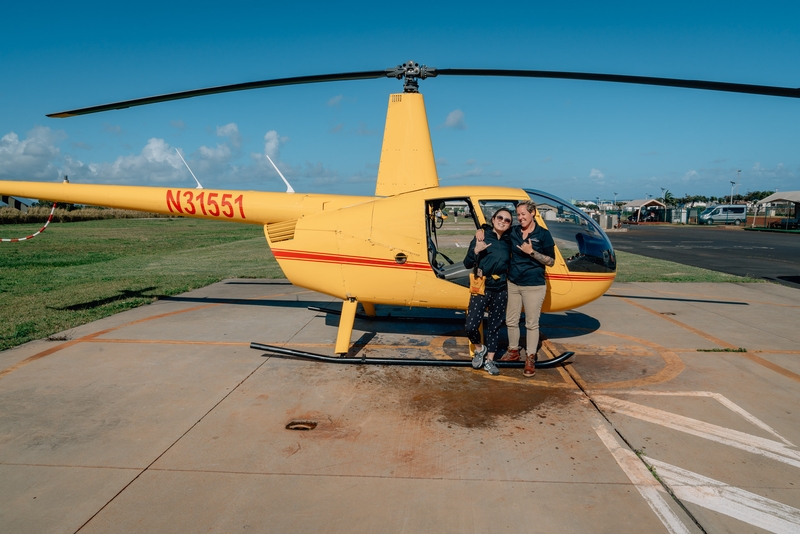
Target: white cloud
(363, 129)
(455, 120)
(597, 175)
(32, 158)
(38, 157)
(335, 101)
(156, 163)
(690, 174)
(473, 172)
(272, 144)
(231, 131)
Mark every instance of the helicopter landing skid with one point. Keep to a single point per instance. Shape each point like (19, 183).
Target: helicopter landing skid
(545, 364)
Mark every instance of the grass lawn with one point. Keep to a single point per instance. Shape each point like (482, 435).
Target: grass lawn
(636, 268)
(76, 273)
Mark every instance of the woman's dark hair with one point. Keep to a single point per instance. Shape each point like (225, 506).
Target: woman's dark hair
(509, 216)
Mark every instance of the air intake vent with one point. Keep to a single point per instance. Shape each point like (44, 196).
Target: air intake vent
(397, 98)
(282, 231)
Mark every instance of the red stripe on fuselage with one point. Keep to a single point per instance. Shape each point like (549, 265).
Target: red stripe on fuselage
(579, 278)
(347, 260)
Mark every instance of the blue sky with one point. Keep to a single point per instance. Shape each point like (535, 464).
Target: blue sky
(574, 139)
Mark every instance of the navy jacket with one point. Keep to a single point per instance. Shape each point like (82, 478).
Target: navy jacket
(494, 261)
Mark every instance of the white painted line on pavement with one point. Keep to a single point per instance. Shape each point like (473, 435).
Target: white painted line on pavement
(731, 501)
(722, 400)
(733, 438)
(642, 479)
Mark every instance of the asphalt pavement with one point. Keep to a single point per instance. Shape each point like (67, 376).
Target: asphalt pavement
(772, 256)
(163, 419)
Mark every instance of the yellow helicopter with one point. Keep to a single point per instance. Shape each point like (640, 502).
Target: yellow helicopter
(384, 249)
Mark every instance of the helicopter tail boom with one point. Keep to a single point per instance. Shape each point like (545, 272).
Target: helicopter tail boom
(248, 207)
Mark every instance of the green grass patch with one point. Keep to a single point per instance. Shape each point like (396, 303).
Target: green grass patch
(740, 349)
(77, 273)
(636, 268)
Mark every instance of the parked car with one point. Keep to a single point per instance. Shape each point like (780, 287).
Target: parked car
(786, 224)
(724, 214)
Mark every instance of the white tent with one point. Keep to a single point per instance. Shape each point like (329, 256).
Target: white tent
(638, 204)
(785, 196)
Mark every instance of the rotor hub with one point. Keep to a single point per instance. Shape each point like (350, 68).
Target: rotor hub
(411, 71)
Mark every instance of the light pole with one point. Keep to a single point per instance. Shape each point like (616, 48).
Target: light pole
(598, 203)
(662, 193)
(615, 201)
(732, 184)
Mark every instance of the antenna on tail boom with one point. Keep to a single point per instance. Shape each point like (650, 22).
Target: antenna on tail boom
(190, 170)
(288, 187)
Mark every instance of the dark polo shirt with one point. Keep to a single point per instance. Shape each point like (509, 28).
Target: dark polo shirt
(524, 270)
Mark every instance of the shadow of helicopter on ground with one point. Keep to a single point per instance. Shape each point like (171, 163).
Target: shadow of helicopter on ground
(125, 294)
(451, 323)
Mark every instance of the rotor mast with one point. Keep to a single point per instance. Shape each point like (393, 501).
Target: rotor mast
(411, 71)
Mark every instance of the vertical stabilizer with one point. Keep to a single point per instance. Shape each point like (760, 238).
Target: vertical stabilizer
(407, 162)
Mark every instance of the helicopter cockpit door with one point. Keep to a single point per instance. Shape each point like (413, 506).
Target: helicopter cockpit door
(451, 226)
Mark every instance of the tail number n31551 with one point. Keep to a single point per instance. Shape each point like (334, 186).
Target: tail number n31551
(190, 202)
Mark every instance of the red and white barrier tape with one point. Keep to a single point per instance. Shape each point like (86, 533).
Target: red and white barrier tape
(42, 229)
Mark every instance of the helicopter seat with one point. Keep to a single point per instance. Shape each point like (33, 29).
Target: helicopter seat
(457, 274)
(589, 245)
(433, 260)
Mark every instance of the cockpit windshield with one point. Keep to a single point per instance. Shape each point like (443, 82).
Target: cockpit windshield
(583, 245)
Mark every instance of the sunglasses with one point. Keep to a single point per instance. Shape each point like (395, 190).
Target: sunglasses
(503, 219)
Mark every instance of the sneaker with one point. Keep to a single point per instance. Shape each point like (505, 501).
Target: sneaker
(491, 368)
(477, 360)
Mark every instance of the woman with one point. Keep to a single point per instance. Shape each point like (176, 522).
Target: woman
(492, 256)
(532, 250)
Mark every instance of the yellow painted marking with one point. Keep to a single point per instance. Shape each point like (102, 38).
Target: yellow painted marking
(750, 356)
(685, 326)
(674, 366)
(695, 296)
(769, 365)
(168, 342)
(92, 337)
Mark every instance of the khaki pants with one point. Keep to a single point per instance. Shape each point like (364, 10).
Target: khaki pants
(532, 298)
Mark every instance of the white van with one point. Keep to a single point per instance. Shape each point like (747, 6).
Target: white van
(724, 214)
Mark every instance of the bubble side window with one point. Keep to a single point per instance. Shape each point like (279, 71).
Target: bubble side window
(582, 243)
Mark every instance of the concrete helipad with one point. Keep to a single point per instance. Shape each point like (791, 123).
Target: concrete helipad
(162, 419)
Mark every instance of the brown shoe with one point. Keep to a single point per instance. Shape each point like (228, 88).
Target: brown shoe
(530, 366)
(511, 355)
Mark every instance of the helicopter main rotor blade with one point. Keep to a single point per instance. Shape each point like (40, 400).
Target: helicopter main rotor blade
(766, 90)
(222, 89)
(411, 71)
